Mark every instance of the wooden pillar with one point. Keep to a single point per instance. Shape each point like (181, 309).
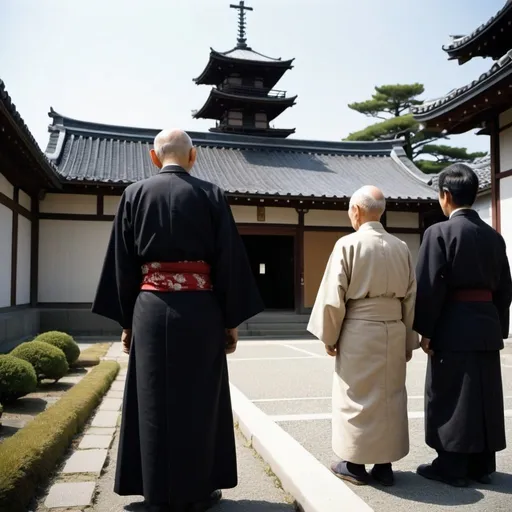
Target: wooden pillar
(14, 247)
(34, 251)
(299, 263)
(100, 203)
(495, 170)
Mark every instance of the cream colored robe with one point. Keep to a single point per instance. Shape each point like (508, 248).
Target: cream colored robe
(365, 306)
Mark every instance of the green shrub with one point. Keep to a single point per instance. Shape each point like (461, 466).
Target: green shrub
(17, 378)
(28, 458)
(63, 341)
(48, 361)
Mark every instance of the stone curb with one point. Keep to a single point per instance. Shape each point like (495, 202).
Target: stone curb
(89, 457)
(310, 483)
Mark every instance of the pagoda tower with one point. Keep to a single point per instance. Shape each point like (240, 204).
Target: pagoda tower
(242, 99)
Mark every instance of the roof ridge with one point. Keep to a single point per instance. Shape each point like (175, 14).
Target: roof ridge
(212, 139)
(504, 62)
(463, 40)
(51, 171)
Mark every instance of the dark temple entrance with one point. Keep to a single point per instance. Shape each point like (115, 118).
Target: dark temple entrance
(272, 262)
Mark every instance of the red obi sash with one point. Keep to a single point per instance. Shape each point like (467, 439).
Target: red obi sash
(178, 276)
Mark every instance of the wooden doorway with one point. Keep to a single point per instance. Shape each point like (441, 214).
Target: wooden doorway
(272, 253)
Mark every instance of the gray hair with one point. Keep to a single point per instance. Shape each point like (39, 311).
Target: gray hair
(170, 143)
(370, 199)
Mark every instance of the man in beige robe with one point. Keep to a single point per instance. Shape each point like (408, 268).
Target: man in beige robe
(364, 313)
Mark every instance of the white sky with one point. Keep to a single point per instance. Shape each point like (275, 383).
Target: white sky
(132, 62)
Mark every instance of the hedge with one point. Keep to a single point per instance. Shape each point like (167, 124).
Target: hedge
(28, 458)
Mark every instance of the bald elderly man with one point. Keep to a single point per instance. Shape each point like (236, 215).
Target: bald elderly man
(364, 315)
(177, 279)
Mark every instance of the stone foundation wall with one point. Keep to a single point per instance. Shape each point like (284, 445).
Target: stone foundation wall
(17, 325)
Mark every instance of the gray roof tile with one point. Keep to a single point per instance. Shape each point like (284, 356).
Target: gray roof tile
(498, 71)
(482, 168)
(457, 42)
(47, 169)
(95, 153)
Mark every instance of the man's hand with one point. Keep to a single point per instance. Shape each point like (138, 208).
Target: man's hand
(425, 346)
(408, 355)
(332, 351)
(126, 340)
(231, 340)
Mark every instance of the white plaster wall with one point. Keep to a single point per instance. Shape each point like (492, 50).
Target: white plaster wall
(23, 262)
(68, 203)
(506, 215)
(110, 204)
(483, 206)
(5, 255)
(506, 150)
(5, 187)
(24, 200)
(331, 218)
(402, 219)
(71, 255)
(506, 117)
(273, 215)
(412, 241)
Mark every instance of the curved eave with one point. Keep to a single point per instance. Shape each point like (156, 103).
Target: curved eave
(273, 106)
(278, 133)
(473, 96)
(277, 67)
(476, 43)
(45, 170)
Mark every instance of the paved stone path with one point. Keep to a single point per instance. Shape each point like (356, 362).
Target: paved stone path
(85, 481)
(291, 382)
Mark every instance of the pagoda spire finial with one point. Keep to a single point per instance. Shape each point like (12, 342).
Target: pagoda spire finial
(242, 40)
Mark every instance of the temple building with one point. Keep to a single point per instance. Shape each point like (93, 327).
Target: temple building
(289, 198)
(243, 99)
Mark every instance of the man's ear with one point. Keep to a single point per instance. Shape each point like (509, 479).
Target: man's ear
(155, 159)
(192, 157)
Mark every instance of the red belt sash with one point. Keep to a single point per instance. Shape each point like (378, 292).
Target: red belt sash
(472, 296)
(178, 276)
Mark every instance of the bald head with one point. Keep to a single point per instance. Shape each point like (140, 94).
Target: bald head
(174, 147)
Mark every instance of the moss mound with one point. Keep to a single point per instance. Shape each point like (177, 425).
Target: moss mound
(63, 341)
(48, 361)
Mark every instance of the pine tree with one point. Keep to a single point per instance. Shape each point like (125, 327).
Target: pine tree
(392, 105)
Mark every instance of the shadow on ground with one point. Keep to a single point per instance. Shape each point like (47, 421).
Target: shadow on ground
(27, 405)
(411, 487)
(251, 506)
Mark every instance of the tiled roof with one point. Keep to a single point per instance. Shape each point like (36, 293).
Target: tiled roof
(482, 168)
(89, 152)
(500, 70)
(47, 169)
(248, 54)
(458, 42)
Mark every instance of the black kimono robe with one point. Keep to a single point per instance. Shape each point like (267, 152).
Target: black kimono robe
(176, 441)
(464, 395)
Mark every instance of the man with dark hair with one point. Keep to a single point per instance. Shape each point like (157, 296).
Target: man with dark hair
(462, 313)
